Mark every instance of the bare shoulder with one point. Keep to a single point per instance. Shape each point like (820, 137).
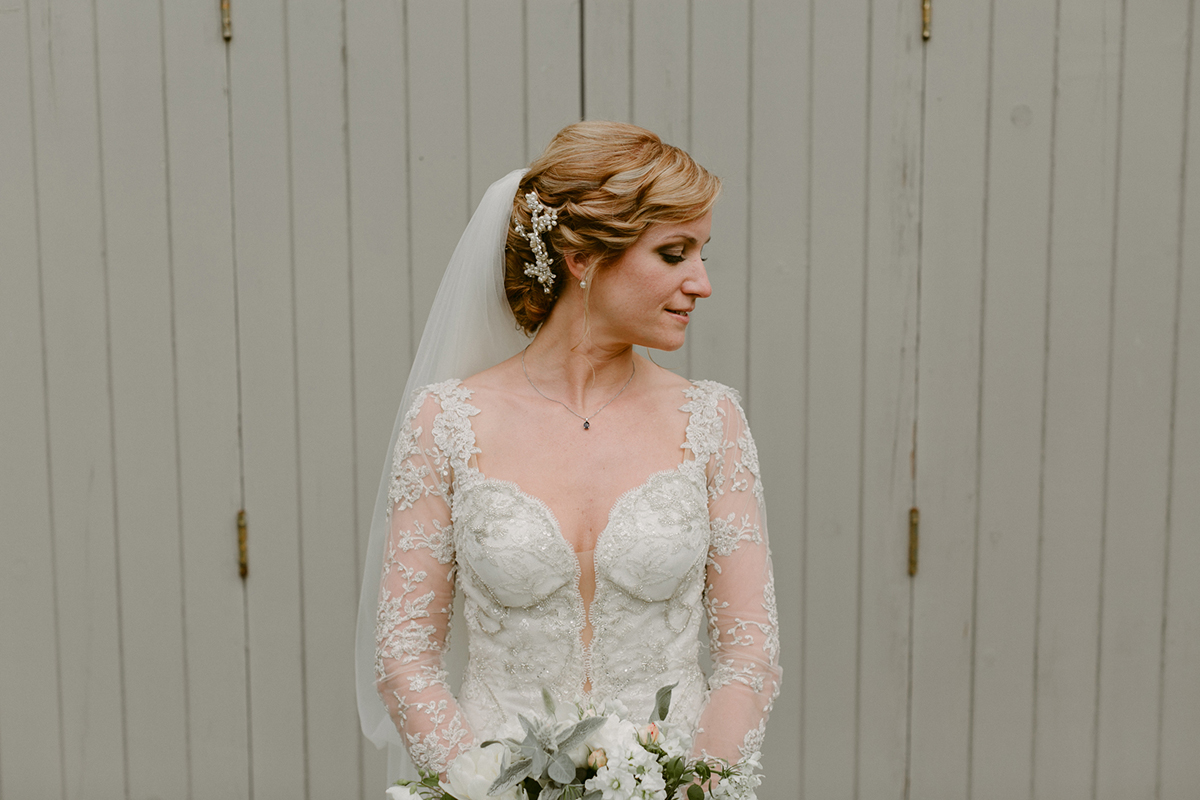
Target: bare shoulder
(500, 384)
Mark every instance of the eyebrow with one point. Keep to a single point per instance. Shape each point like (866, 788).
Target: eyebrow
(671, 241)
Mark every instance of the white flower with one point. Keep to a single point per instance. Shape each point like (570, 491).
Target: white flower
(474, 771)
(402, 793)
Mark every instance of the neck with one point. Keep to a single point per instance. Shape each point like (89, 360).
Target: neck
(571, 366)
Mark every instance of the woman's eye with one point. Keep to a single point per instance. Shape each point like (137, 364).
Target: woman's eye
(672, 258)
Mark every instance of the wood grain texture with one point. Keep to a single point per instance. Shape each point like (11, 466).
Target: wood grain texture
(204, 280)
(1146, 244)
(1178, 767)
(1011, 397)
(947, 446)
(833, 522)
(31, 752)
(553, 63)
(71, 229)
(330, 571)
(497, 92)
(608, 60)
(889, 396)
(1078, 324)
(776, 401)
(145, 456)
(258, 105)
(381, 324)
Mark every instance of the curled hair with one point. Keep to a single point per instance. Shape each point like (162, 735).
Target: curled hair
(609, 182)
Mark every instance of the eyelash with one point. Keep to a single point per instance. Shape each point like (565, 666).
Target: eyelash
(671, 258)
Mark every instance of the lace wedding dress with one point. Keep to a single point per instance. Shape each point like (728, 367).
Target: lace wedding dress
(688, 544)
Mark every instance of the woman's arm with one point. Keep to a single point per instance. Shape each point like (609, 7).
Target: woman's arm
(416, 596)
(739, 599)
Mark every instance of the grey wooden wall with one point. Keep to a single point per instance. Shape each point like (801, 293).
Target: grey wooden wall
(961, 275)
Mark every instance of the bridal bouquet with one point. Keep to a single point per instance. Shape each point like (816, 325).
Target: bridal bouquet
(588, 752)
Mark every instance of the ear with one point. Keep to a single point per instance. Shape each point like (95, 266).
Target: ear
(577, 263)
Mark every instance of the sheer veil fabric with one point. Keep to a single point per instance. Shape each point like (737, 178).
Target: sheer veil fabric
(470, 328)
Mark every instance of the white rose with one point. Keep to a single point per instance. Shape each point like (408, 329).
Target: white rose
(474, 771)
(402, 793)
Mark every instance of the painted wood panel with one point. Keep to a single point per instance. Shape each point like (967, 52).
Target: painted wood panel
(777, 248)
(1011, 396)
(145, 454)
(376, 81)
(1178, 768)
(79, 408)
(1146, 242)
(31, 744)
(607, 61)
(262, 225)
(203, 283)
(1076, 407)
(497, 98)
(953, 191)
(553, 65)
(889, 397)
(834, 385)
(330, 572)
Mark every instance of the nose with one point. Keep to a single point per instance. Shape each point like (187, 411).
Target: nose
(697, 284)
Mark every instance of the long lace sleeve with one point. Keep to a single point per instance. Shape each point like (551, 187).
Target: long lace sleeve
(739, 597)
(416, 596)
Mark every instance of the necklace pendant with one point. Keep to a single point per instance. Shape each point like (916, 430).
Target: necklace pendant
(586, 425)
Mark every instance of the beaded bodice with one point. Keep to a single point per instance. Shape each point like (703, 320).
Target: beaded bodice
(684, 542)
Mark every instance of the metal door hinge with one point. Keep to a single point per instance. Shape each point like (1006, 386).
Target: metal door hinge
(914, 539)
(227, 21)
(243, 550)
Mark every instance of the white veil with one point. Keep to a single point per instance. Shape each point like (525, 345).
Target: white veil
(470, 328)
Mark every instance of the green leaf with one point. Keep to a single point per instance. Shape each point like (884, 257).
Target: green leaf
(551, 793)
(541, 760)
(549, 701)
(704, 771)
(662, 703)
(582, 729)
(572, 792)
(515, 773)
(694, 792)
(562, 768)
(530, 730)
(594, 794)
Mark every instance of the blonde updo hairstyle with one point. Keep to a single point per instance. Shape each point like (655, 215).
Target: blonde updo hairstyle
(609, 182)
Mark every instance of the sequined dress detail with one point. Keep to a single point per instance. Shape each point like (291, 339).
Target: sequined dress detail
(686, 547)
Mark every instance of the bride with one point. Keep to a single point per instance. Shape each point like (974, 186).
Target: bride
(593, 509)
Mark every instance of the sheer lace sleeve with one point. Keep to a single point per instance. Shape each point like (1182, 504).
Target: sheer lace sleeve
(416, 595)
(739, 597)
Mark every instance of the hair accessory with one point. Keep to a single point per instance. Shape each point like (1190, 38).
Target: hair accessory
(587, 421)
(541, 219)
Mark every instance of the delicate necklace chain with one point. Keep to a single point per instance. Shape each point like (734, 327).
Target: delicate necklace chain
(586, 420)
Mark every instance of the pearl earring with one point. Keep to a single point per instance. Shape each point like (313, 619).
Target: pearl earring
(583, 284)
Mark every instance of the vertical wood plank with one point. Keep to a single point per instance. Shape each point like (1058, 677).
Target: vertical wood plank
(328, 541)
(553, 65)
(1179, 769)
(496, 91)
(778, 242)
(137, 237)
(31, 756)
(719, 139)
(1080, 285)
(437, 142)
(258, 106)
(381, 326)
(70, 220)
(1014, 313)
(607, 60)
(889, 375)
(206, 387)
(948, 400)
(834, 387)
(661, 100)
(1145, 280)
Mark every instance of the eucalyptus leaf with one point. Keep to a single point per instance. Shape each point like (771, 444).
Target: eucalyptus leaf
(562, 768)
(515, 773)
(581, 730)
(662, 703)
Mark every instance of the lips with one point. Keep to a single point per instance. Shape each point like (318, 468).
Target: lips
(680, 312)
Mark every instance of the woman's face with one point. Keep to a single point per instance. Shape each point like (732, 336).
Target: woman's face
(645, 297)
